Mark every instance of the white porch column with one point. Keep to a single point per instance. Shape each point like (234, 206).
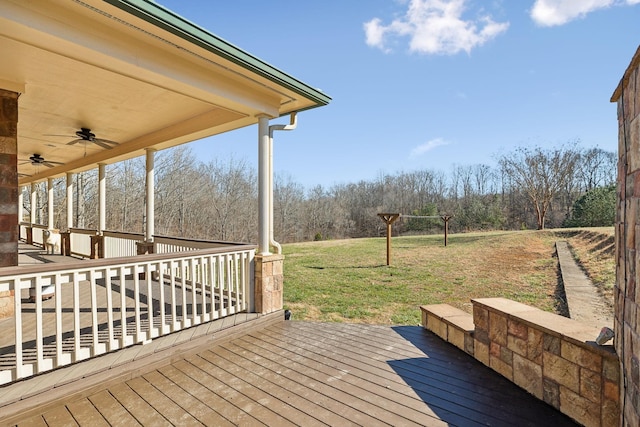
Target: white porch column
(264, 180)
(50, 203)
(150, 194)
(32, 215)
(102, 198)
(69, 201)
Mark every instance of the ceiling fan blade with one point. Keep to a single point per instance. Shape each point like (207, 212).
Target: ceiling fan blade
(106, 141)
(101, 144)
(75, 141)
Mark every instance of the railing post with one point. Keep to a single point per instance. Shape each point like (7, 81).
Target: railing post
(143, 248)
(65, 243)
(97, 247)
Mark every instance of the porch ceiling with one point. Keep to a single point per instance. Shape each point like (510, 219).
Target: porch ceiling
(133, 73)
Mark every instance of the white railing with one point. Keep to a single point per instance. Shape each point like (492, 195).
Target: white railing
(165, 245)
(81, 241)
(22, 231)
(97, 306)
(120, 244)
(36, 235)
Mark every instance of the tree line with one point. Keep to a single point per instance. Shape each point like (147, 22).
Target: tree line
(530, 188)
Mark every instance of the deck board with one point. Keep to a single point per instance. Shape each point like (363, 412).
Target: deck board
(314, 374)
(85, 413)
(446, 391)
(142, 411)
(176, 415)
(112, 411)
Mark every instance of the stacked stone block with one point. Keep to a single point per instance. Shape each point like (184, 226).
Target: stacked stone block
(626, 294)
(8, 191)
(552, 357)
(269, 279)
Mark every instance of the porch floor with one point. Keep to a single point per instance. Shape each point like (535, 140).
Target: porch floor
(302, 373)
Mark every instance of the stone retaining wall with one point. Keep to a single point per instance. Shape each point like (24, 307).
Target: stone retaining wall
(626, 292)
(552, 357)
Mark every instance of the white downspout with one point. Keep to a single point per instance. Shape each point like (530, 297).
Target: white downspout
(293, 122)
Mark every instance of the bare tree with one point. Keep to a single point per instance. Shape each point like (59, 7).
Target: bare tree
(541, 174)
(288, 200)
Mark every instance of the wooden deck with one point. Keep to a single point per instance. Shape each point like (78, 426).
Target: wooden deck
(301, 373)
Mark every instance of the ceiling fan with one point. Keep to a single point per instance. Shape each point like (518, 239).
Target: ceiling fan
(37, 160)
(85, 135)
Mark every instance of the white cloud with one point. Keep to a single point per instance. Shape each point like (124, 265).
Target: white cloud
(435, 27)
(427, 146)
(548, 13)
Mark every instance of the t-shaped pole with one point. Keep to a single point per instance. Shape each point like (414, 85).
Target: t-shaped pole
(389, 218)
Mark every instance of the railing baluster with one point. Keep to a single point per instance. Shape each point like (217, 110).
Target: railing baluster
(227, 264)
(111, 345)
(150, 313)
(236, 281)
(183, 279)
(94, 312)
(223, 303)
(124, 338)
(17, 324)
(39, 334)
(194, 303)
(76, 318)
(163, 321)
(58, 308)
(216, 277)
(212, 286)
(204, 275)
(136, 295)
(174, 297)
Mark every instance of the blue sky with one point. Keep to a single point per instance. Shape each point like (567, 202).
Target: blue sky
(428, 84)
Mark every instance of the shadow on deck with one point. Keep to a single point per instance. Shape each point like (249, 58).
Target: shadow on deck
(283, 373)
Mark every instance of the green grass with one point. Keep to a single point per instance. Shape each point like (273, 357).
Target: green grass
(349, 281)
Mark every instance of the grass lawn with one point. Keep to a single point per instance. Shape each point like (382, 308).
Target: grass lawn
(348, 280)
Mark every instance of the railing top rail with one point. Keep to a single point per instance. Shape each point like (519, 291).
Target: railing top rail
(124, 235)
(175, 240)
(109, 262)
(35, 225)
(83, 231)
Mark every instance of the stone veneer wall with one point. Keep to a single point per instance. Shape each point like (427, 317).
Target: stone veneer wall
(552, 357)
(8, 190)
(269, 280)
(626, 293)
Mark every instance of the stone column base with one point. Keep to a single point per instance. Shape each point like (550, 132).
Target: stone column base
(269, 280)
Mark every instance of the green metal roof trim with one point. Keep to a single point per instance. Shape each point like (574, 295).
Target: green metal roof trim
(164, 18)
